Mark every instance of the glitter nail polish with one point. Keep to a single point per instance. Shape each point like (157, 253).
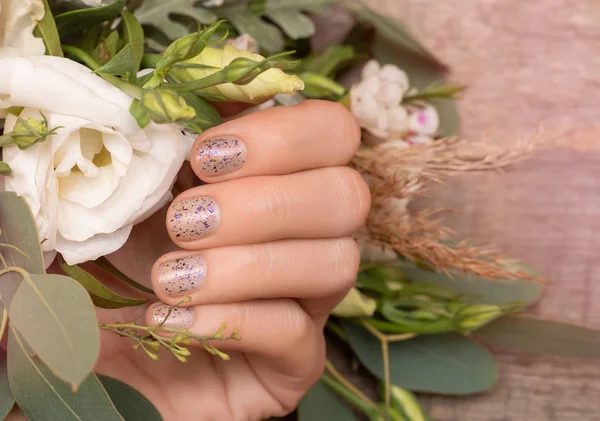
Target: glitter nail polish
(181, 276)
(220, 156)
(180, 317)
(194, 218)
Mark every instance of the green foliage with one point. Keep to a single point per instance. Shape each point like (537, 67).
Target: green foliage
(539, 336)
(19, 230)
(105, 264)
(81, 19)
(320, 404)
(131, 404)
(46, 28)
(7, 401)
(101, 296)
(43, 396)
(446, 363)
(55, 316)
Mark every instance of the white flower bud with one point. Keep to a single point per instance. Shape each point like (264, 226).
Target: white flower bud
(372, 68)
(424, 121)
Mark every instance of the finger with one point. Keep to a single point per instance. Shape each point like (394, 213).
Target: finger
(324, 203)
(311, 270)
(280, 140)
(272, 328)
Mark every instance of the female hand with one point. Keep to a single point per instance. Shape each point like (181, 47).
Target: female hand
(266, 248)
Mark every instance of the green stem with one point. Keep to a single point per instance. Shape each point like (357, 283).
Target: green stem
(349, 396)
(132, 90)
(338, 331)
(412, 326)
(216, 78)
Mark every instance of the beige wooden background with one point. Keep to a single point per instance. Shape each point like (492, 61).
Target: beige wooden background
(528, 62)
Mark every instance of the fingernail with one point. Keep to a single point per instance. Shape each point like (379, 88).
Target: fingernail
(220, 156)
(179, 318)
(194, 218)
(181, 276)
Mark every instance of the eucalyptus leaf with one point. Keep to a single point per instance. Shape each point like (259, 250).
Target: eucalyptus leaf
(130, 403)
(483, 290)
(539, 336)
(56, 317)
(134, 36)
(158, 13)
(18, 228)
(446, 363)
(321, 404)
(43, 397)
(46, 28)
(101, 296)
(74, 20)
(7, 401)
(393, 31)
(295, 24)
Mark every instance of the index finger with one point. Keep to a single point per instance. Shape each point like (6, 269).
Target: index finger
(280, 140)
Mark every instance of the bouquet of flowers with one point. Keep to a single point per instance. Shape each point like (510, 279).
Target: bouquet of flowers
(100, 101)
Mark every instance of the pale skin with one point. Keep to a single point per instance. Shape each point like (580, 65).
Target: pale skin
(280, 260)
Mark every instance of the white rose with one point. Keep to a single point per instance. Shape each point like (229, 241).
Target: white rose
(18, 19)
(100, 174)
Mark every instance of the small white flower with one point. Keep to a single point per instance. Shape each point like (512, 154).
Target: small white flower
(18, 19)
(100, 174)
(376, 100)
(213, 3)
(423, 124)
(244, 42)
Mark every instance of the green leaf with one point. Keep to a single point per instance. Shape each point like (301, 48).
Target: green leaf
(393, 31)
(266, 34)
(48, 31)
(105, 264)
(7, 401)
(294, 23)
(484, 290)
(329, 62)
(158, 13)
(75, 20)
(134, 36)
(207, 115)
(44, 397)
(56, 317)
(101, 296)
(130, 403)
(19, 229)
(320, 404)
(539, 336)
(446, 363)
(122, 64)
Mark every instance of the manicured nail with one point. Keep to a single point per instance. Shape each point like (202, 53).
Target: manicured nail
(220, 156)
(194, 218)
(181, 276)
(179, 318)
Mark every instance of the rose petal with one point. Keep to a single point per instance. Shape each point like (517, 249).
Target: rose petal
(93, 248)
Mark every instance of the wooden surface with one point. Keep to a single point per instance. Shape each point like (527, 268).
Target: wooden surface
(527, 63)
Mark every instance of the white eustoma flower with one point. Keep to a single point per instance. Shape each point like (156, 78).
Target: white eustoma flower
(376, 101)
(18, 19)
(100, 174)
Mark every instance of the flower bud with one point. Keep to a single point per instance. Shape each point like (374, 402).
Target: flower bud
(319, 86)
(253, 84)
(476, 316)
(355, 304)
(26, 133)
(4, 168)
(407, 403)
(166, 106)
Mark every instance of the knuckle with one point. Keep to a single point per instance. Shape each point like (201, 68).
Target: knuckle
(344, 259)
(279, 197)
(351, 190)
